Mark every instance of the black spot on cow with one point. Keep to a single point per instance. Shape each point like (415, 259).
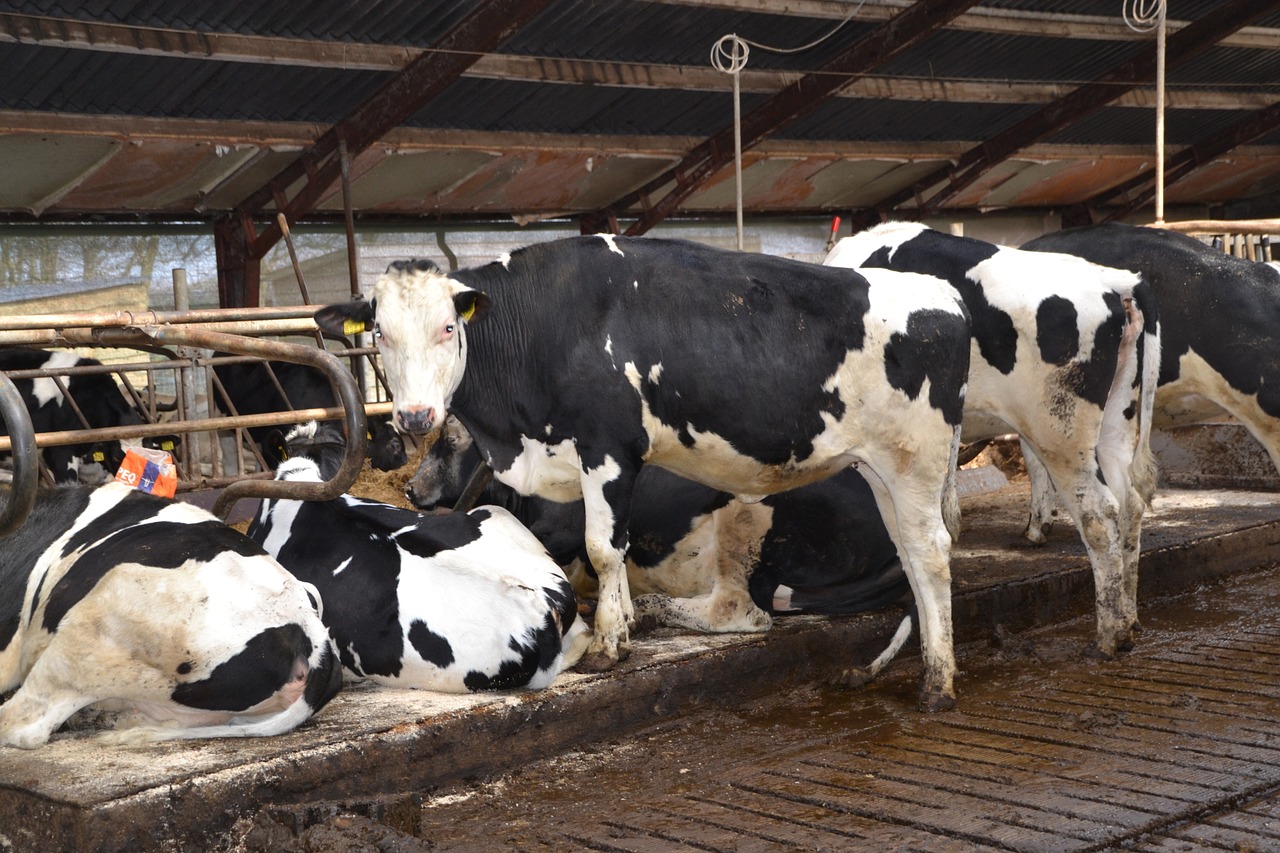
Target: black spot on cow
(442, 533)
(1057, 330)
(157, 544)
(53, 513)
(515, 673)
(931, 350)
(430, 646)
(252, 675)
(185, 667)
(951, 258)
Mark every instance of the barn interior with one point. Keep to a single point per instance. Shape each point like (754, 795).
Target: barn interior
(250, 160)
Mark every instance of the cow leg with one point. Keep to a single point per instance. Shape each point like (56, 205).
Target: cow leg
(911, 505)
(1098, 517)
(606, 540)
(1044, 498)
(739, 531)
(42, 703)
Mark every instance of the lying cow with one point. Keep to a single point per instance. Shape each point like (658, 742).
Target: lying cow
(574, 363)
(1059, 356)
(460, 602)
(252, 391)
(114, 598)
(96, 395)
(1219, 328)
(699, 558)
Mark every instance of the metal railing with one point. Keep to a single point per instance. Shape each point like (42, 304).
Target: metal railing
(184, 341)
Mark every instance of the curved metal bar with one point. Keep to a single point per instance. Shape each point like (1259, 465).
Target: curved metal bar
(480, 477)
(343, 382)
(22, 494)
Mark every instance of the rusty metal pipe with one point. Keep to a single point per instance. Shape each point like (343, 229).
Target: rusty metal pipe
(22, 494)
(480, 477)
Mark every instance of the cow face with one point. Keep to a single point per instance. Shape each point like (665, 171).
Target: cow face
(418, 317)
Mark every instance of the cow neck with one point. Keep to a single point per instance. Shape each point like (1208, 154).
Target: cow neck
(502, 353)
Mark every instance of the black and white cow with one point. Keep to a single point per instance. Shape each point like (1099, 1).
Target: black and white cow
(1062, 357)
(459, 602)
(253, 392)
(97, 396)
(115, 598)
(1219, 329)
(748, 373)
(700, 558)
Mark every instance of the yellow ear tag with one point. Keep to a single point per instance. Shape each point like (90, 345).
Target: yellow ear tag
(99, 456)
(368, 436)
(353, 327)
(166, 445)
(466, 315)
(284, 455)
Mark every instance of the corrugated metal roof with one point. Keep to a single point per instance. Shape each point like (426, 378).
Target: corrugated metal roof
(185, 127)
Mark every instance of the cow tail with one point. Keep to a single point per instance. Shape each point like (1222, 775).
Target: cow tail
(1149, 355)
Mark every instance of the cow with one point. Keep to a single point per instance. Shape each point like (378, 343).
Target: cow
(575, 362)
(252, 391)
(96, 396)
(700, 558)
(153, 609)
(1219, 328)
(1062, 356)
(452, 603)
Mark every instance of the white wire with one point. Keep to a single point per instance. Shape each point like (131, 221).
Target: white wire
(1142, 16)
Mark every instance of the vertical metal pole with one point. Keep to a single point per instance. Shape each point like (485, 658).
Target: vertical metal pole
(1160, 33)
(737, 147)
(195, 447)
(353, 259)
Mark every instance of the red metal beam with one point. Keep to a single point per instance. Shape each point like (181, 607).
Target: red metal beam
(800, 98)
(482, 30)
(1140, 190)
(976, 162)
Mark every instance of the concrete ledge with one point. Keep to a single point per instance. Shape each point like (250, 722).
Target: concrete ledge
(369, 744)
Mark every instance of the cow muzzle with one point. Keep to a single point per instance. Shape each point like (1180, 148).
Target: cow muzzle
(416, 420)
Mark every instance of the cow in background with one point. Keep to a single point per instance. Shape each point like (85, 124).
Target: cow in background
(456, 603)
(1060, 355)
(252, 392)
(96, 395)
(700, 558)
(1219, 329)
(574, 363)
(153, 609)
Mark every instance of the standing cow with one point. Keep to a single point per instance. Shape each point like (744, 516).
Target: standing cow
(700, 558)
(455, 603)
(1059, 356)
(1219, 328)
(115, 598)
(96, 395)
(574, 363)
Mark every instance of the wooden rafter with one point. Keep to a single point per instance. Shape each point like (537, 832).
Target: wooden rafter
(977, 161)
(315, 172)
(800, 98)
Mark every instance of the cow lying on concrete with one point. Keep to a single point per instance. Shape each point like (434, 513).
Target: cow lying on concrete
(576, 362)
(699, 558)
(253, 392)
(1219, 329)
(118, 599)
(1060, 357)
(97, 396)
(459, 602)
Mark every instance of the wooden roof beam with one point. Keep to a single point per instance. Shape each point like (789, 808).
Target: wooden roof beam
(802, 97)
(976, 162)
(1139, 191)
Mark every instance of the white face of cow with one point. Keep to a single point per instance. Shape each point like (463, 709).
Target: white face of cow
(422, 338)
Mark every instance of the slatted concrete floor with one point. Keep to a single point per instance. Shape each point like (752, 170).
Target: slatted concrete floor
(1175, 747)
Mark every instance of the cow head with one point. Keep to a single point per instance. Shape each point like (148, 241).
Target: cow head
(443, 473)
(418, 316)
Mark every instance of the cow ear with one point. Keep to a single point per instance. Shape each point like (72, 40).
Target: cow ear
(471, 305)
(350, 318)
(275, 443)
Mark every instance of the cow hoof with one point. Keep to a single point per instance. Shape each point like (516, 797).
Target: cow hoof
(602, 661)
(1037, 535)
(932, 701)
(1094, 651)
(852, 678)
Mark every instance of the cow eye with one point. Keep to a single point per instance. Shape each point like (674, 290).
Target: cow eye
(448, 330)
(377, 331)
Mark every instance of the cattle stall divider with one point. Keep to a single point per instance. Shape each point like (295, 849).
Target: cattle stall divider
(234, 331)
(22, 439)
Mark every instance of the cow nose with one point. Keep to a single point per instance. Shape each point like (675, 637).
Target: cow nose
(416, 420)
